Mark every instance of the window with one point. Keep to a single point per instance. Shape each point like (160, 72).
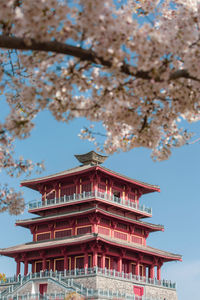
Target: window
(107, 263)
(133, 269)
(84, 230)
(141, 270)
(115, 264)
(63, 233)
(59, 264)
(99, 261)
(43, 236)
(120, 235)
(136, 239)
(86, 187)
(38, 266)
(79, 262)
(125, 267)
(101, 188)
(68, 190)
(103, 230)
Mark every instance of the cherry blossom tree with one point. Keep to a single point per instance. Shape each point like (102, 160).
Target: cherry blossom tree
(133, 65)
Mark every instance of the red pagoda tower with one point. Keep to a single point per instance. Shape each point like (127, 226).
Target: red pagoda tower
(89, 238)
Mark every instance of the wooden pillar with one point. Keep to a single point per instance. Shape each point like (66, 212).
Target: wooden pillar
(159, 272)
(25, 267)
(103, 260)
(151, 272)
(66, 262)
(51, 264)
(44, 264)
(33, 267)
(51, 228)
(95, 228)
(77, 185)
(111, 263)
(95, 184)
(119, 267)
(128, 267)
(137, 271)
(86, 260)
(33, 231)
(18, 267)
(94, 258)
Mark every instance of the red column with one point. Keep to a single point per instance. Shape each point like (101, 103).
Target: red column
(44, 264)
(65, 261)
(95, 228)
(51, 228)
(25, 267)
(94, 258)
(119, 267)
(137, 272)
(18, 268)
(151, 271)
(159, 272)
(52, 264)
(86, 261)
(33, 267)
(103, 260)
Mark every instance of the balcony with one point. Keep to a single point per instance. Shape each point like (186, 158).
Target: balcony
(90, 195)
(73, 274)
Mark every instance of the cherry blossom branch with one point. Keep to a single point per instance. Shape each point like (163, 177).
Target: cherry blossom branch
(11, 42)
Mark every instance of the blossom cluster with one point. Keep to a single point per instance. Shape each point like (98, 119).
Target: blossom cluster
(134, 66)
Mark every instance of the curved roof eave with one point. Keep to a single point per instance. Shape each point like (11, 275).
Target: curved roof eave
(33, 183)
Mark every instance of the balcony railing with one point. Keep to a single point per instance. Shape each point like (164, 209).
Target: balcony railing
(89, 195)
(66, 276)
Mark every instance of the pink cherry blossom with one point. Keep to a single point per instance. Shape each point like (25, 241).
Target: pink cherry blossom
(133, 65)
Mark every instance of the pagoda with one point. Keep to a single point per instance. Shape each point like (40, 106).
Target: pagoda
(89, 238)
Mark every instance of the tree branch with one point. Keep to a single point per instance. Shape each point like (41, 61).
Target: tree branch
(10, 42)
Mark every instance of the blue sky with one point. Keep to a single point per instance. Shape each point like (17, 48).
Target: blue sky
(177, 206)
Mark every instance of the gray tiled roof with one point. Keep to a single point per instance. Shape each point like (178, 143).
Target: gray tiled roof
(88, 210)
(84, 168)
(85, 238)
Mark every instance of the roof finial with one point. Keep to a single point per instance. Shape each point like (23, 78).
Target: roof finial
(91, 158)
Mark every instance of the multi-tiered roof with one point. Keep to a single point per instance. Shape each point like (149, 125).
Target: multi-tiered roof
(90, 216)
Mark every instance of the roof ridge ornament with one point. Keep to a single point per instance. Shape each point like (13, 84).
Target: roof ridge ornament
(91, 158)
